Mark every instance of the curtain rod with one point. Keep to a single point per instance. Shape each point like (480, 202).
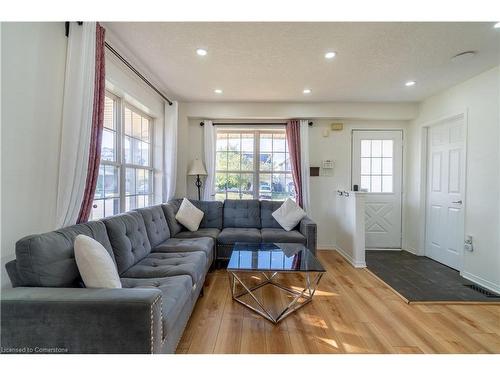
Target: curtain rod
(123, 60)
(310, 123)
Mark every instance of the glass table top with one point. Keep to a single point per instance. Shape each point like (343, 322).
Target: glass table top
(281, 257)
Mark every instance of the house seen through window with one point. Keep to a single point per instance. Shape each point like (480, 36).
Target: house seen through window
(253, 164)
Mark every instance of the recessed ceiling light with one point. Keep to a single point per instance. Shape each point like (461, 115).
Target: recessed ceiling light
(330, 55)
(218, 91)
(201, 52)
(410, 83)
(497, 25)
(307, 91)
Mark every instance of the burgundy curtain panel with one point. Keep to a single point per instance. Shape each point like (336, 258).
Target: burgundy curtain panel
(97, 127)
(293, 140)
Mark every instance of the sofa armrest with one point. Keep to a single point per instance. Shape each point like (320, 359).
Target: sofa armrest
(81, 320)
(308, 228)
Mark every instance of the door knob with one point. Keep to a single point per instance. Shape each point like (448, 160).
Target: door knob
(458, 202)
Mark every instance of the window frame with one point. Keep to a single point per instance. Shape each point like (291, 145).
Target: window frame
(119, 104)
(150, 168)
(256, 171)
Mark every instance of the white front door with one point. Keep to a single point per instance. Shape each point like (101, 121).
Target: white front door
(377, 162)
(445, 192)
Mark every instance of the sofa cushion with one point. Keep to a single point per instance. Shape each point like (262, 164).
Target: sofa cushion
(95, 264)
(48, 259)
(230, 236)
(281, 235)
(202, 232)
(189, 215)
(266, 214)
(170, 210)
(213, 213)
(175, 293)
(181, 245)
(170, 264)
(156, 224)
(128, 237)
(241, 213)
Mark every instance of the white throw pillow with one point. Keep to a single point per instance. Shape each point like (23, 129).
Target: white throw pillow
(189, 216)
(95, 264)
(289, 215)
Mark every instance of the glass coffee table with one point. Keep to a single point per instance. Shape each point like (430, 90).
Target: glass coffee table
(270, 261)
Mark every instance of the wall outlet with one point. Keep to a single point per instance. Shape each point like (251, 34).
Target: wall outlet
(468, 243)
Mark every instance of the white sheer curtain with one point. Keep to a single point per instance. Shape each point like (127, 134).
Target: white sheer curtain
(209, 136)
(304, 163)
(170, 153)
(76, 121)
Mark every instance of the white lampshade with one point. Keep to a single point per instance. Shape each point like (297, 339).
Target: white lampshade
(197, 167)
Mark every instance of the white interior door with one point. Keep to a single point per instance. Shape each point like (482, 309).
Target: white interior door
(377, 163)
(445, 193)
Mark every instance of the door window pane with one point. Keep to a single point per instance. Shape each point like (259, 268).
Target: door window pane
(376, 165)
(376, 185)
(387, 148)
(365, 166)
(376, 148)
(366, 148)
(387, 166)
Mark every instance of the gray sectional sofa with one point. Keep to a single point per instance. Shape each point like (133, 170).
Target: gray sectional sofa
(241, 221)
(162, 267)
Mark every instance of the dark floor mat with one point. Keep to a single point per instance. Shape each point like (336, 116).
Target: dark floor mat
(421, 279)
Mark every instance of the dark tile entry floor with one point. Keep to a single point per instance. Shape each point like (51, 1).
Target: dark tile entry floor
(421, 279)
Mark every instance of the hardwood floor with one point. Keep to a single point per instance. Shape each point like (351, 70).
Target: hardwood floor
(352, 312)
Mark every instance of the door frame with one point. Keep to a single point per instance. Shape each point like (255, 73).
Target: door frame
(402, 181)
(424, 174)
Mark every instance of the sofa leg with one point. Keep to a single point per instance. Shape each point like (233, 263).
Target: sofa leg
(202, 291)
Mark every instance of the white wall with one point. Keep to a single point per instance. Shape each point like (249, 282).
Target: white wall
(336, 146)
(33, 65)
(479, 97)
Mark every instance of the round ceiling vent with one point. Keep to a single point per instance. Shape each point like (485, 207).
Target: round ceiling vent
(463, 56)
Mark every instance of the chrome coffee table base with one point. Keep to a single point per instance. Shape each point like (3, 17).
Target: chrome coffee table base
(306, 294)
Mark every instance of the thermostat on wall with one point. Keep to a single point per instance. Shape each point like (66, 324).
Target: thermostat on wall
(327, 164)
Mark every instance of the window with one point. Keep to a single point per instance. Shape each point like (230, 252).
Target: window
(376, 165)
(253, 164)
(126, 170)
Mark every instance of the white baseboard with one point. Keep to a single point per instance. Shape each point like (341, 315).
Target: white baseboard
(355, 264)
(325, 247)
(480, 281)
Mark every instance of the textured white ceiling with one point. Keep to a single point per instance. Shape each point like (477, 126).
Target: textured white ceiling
(276, 61)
